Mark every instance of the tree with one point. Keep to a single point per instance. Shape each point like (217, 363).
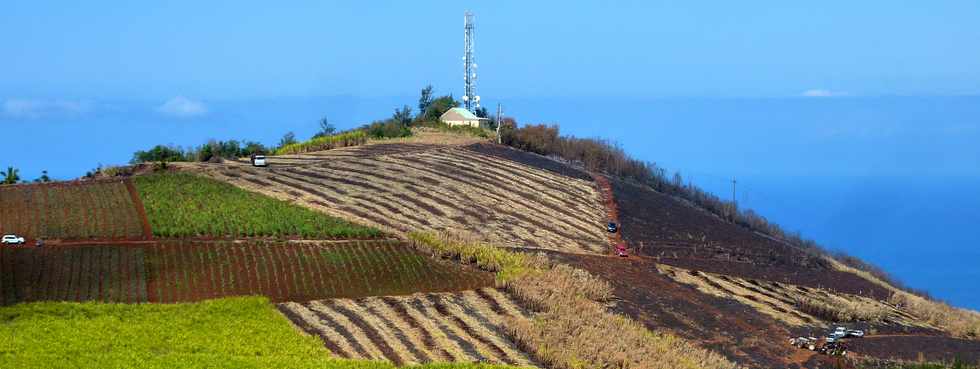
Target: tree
(160, 153)
(44, 177)
(403, 115)
(287, 139)
(482, 112)
(11, 176)
(425, 100)
(438, 107)
(326, 129)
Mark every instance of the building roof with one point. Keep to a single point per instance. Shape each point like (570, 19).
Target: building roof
(459, 114)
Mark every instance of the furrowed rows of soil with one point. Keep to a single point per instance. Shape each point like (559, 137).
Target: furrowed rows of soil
(738, 331)
(420, 328)
(442, 189)
(193, 271)
(681, 235)
(178, 271)
(779, 300)
(89, 210)
(94, 273)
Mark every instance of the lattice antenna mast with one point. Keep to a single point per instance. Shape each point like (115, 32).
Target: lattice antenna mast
(470, 99)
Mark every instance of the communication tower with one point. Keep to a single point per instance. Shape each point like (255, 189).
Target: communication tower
(470, 99)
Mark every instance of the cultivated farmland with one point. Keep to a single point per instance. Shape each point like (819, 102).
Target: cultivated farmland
(89, 210)
(290, 271)
(420, 328)
(177, 271)
(185, 205)
(93, 273)
(440, 188)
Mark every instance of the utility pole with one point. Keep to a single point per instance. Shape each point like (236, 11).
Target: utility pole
(499, 141)
(734, 201)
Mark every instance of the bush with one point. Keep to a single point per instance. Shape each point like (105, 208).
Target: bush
(390, 128)
(159, 153)
(213, 149)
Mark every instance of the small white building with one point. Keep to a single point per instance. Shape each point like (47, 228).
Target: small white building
(462, 117)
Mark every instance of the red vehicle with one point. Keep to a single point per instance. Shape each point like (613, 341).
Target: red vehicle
(621, 250)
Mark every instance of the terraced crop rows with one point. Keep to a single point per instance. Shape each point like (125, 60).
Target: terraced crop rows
(72, 210)
(182, 271)
(420, 328)
(285, 271)
(776, 299)
(99, 273)
(447, 188)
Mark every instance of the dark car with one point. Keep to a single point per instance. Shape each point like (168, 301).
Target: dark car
(612, 227)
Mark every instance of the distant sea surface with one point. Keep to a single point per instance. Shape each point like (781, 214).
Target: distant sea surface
(895, 181)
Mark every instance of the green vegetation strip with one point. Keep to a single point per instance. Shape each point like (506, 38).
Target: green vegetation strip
(187, 205)
(352, 138)
(245, 332)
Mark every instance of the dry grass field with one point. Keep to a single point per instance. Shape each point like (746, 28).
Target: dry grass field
(421, 328)
(409, 186)
(794, 305)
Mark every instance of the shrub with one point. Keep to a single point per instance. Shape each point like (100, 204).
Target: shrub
(390, 128)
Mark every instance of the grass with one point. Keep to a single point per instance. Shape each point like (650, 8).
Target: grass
(352, 138)
(572, 329)
(962, 323)
(185, 205)
(243, 332)
(840, 309)
(507, 265)
(912, 365)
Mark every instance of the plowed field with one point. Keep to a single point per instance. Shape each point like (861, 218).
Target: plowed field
(420, 328)
(192, 271)
(88, 210)
(441, 188)
(181, 271)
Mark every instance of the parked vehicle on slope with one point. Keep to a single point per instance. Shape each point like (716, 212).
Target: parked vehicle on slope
(259, 161)
(12, 239)
(621, 250)
(612, 227)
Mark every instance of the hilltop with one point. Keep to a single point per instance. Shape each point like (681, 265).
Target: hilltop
(444, 246)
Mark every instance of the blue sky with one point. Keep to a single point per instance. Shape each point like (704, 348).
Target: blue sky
(856, 122)
(97, 50)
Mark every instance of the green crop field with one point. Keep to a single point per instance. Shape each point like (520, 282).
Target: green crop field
(186, 205)
(244, 332)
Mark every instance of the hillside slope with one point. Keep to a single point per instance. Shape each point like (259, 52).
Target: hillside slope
(407, 187)
(691, 273)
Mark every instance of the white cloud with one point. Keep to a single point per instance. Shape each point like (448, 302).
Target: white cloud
(36, 108)
(183, 107)
(818, 92)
